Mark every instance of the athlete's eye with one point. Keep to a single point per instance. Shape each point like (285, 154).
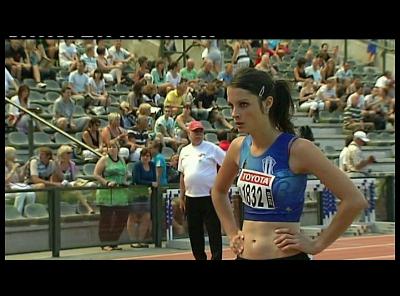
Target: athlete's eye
(243, 105)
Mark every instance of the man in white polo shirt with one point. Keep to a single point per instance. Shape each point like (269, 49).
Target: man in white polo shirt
(198, 167)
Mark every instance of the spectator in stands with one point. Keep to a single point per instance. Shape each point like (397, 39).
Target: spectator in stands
(327, 93)
(384, 80)
(98, 92)
(48, 49)
(353, 113)
(328, 70)
(16, 60)
(160, 163)
(128, 117)
(9, 80)
(241, 55)
(323, 53)
(140, 132)
(206, 73)
(309, 57)
(272, 149)
(90, 60)
(33, 58)
(182, 120)
(14, 179)
(173, 75)
(111, 171)
(212, 53)
(354, 160)
(226, 76)
(101, 43)
(158, 73)
(139, 221)
(205, 100)
(111, 72)
(78, 81)
(262, 51)
(16, 117)
(145, 109)
(189, 72)
(113, 131)
(150, 94)
(68, 55)
(142, 70)
(41, 168)
(308, 99)
(344, 152)
(65, 173)
(175, 99)
(63, 111)
(266, 66)
(165, 127)
(371, 51)
(135, 97)
(299, 73)
(344, 73)
(314, 71)
(91, 137)
(119, 55)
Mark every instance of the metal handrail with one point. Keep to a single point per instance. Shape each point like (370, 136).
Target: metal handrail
(53, 127)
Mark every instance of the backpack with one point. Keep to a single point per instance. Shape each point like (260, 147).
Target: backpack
(306, 133)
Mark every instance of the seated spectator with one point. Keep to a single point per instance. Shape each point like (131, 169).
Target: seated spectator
(165, 127)
(68, 55)
(135, 97)
(355, 161)
(48, 49)
(182, 120)
(353, 113)
(299, 73)
(173, 77)
(90, 60)
(160, 163)
(226, 76)
(91, 137)
(63, 111)
(384, 80)
(145, 109)
(314, 71)
(140, 131)
(78, 81)
(16, 117)
(175, 99)
(241, 55)
(34, 58)
(40, 169)
(9, 80)
(265, 49)
(119, 55)
(328, 70)
(65, 172)
(111, 72)
(344, 73)
(128, 117)
(98, 92)
(308, 100)
(324, 52)
(150, 94)
(343, 154)
(309, 57)
(113, 131)
(189, 72)
(205, 100)
(14, 179)
(206, 73)
(327, 94)
(211, 53)
(16, 60)
(158, 73)
(266, 66)
(141, 71)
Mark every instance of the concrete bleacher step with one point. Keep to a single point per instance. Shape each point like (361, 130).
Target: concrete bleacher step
(384, 227)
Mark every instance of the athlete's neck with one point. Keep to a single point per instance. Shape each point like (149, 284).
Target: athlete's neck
(263, 138)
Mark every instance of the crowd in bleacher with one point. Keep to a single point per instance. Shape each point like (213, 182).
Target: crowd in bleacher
(102, 94)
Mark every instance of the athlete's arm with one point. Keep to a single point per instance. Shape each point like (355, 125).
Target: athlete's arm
(223, 182)
(305, 157)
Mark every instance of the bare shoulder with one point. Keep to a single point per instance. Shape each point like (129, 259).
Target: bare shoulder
(303, 155)
(234, 149)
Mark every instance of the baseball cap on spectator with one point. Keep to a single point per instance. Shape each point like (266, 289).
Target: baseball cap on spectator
(361, 135)
(194, 125)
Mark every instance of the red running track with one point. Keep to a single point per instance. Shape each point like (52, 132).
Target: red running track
(377, 247)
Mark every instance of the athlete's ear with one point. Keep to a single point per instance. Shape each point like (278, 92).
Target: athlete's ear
(267, 104)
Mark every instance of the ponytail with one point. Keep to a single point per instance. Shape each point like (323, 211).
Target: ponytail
(282, 108)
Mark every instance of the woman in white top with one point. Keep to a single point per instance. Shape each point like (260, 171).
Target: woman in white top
(173, 75)
(97, 89)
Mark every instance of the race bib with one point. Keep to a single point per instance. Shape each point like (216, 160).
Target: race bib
(256, 189)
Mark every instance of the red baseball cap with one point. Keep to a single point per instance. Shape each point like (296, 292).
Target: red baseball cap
(194, 125)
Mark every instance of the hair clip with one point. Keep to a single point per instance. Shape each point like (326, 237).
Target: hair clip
(261, 91)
